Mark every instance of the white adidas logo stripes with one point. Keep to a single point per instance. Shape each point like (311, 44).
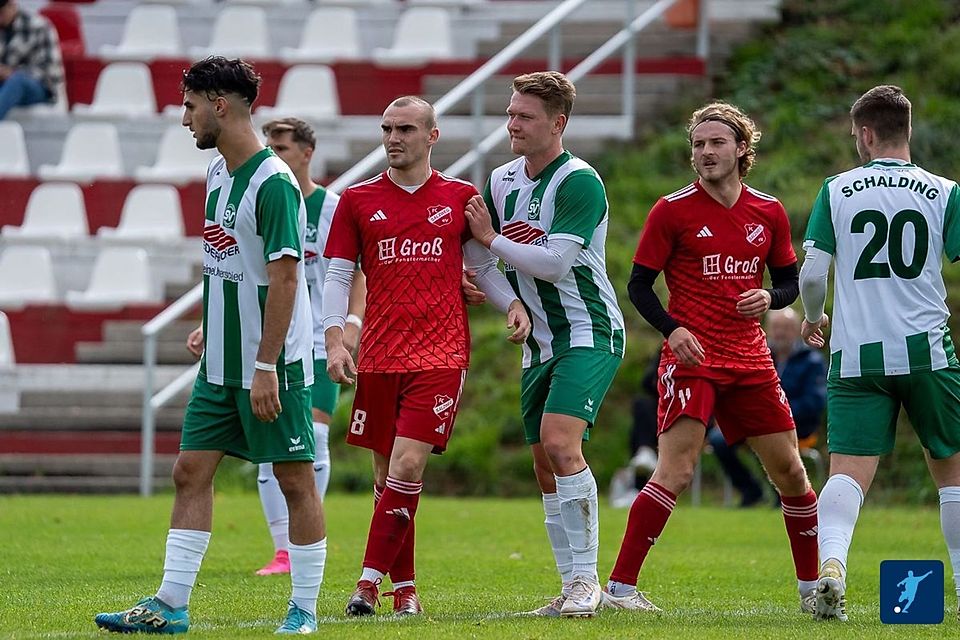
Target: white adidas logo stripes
(705, 232)
(379, 215)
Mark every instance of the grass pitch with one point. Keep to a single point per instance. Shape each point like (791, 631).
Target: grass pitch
(717, 573)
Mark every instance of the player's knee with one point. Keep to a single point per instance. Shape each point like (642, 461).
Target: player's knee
(790, 477)
(408, 466)
(295, 479)
(189, 475)
(676, 478)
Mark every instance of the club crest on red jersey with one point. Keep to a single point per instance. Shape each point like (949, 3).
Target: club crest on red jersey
(440, 215)
(756, 234)
(442, 405)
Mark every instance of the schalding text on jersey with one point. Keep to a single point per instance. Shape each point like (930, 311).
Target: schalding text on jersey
(888, 224)
(709, 256)
(410, 247)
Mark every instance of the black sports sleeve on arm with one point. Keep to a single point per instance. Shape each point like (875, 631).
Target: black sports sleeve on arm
(645, 299)
(786, 285)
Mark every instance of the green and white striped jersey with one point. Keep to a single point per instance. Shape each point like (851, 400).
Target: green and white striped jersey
(887, 225)
(566, 200)
(320, 207)
(253, 216)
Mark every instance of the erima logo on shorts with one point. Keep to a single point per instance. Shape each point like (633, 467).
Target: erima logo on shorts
(296, 445)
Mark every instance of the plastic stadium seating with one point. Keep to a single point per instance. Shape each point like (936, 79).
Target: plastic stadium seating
(150, 212)
(121, 276)
(26, 277)
(66, 20)
(178, 159)
(237, 32)
(55, 211)
(151, 32)
(7, 358)
(91, 151)
(13, 161)
(329, 34)
(124, 90)
(307, 91)
(422, 34)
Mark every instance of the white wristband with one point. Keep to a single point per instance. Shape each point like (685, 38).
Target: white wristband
(264, 366)
(355, 320)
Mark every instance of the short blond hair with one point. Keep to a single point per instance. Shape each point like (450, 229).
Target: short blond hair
(744, 129)
(302, 133)
(554, 88)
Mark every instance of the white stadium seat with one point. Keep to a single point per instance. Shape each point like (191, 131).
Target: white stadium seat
(55, 211)
(91, 151)
(329, 34)
(26, 277)
(178, 159)
(7, 358)
(422, 34)
(124, 90)
(306, 91)
(9, 395)
(13, 160)
(121, 276)
(150, 212)
(237, 32)
(151, 31)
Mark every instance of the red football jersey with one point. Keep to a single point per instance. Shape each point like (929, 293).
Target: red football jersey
(710, 255)
(410, 247)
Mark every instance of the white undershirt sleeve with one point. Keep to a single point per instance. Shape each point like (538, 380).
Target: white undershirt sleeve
(489, 279)
(550, 261)
(336, 292)
(813, 281)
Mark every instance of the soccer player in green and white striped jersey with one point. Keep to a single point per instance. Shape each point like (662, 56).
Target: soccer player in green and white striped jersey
(887, 224)
(252, 395)
(545, 215)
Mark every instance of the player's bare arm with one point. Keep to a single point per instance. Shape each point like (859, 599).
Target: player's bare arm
(479, 219)
(812, 332)
(278, 309)
(195, 342)
(340, 365)
(519, 321)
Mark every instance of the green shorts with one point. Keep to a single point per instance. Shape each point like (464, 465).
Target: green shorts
(324, 391)
(862, 412)
(573, 383)
(219, 418)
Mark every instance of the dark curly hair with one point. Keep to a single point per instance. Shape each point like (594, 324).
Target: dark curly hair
(216, 76)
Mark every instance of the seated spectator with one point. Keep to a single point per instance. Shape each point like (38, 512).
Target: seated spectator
(31, 69)
(803, 376)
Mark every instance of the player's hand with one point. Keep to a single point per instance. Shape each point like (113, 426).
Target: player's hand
(471, 292)
(340, 365)
(479, 219)
(812, 332)
(265, 396)
(519, 321)
(754, 303)
(195, 341)
(351, 337)
(686, 347)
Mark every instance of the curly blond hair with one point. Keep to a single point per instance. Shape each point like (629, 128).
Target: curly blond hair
(744, 129)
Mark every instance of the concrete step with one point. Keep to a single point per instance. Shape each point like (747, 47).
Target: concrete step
(95, 418)
(170, 351)
(91, 399)
(126, 465)
(130, 331)
(80, 442)
(75, 484)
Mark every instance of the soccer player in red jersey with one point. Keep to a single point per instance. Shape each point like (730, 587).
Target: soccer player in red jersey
(713, 239)
(407, 226)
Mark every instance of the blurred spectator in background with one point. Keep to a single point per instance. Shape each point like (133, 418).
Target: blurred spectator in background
(628, 481)
(803, 376)
(30, 66)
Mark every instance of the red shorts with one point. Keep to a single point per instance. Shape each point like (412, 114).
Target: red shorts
(420, 405)
(746, 403)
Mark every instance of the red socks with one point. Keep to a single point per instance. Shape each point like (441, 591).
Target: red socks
(390, 542)
(800, 516)
(648, 516)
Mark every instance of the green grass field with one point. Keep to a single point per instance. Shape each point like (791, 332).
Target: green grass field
(717, 573)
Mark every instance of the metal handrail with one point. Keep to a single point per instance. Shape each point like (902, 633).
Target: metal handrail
(152, 402)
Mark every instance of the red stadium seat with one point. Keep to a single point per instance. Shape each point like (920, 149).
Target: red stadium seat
(66, 20)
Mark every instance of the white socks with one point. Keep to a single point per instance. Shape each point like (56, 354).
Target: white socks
(271, 497)
(950, 524)
(306, 573)
(185, 549)
(558, 536)
(274, 506)
(321, 465)
(579, 508)
(837, 512)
